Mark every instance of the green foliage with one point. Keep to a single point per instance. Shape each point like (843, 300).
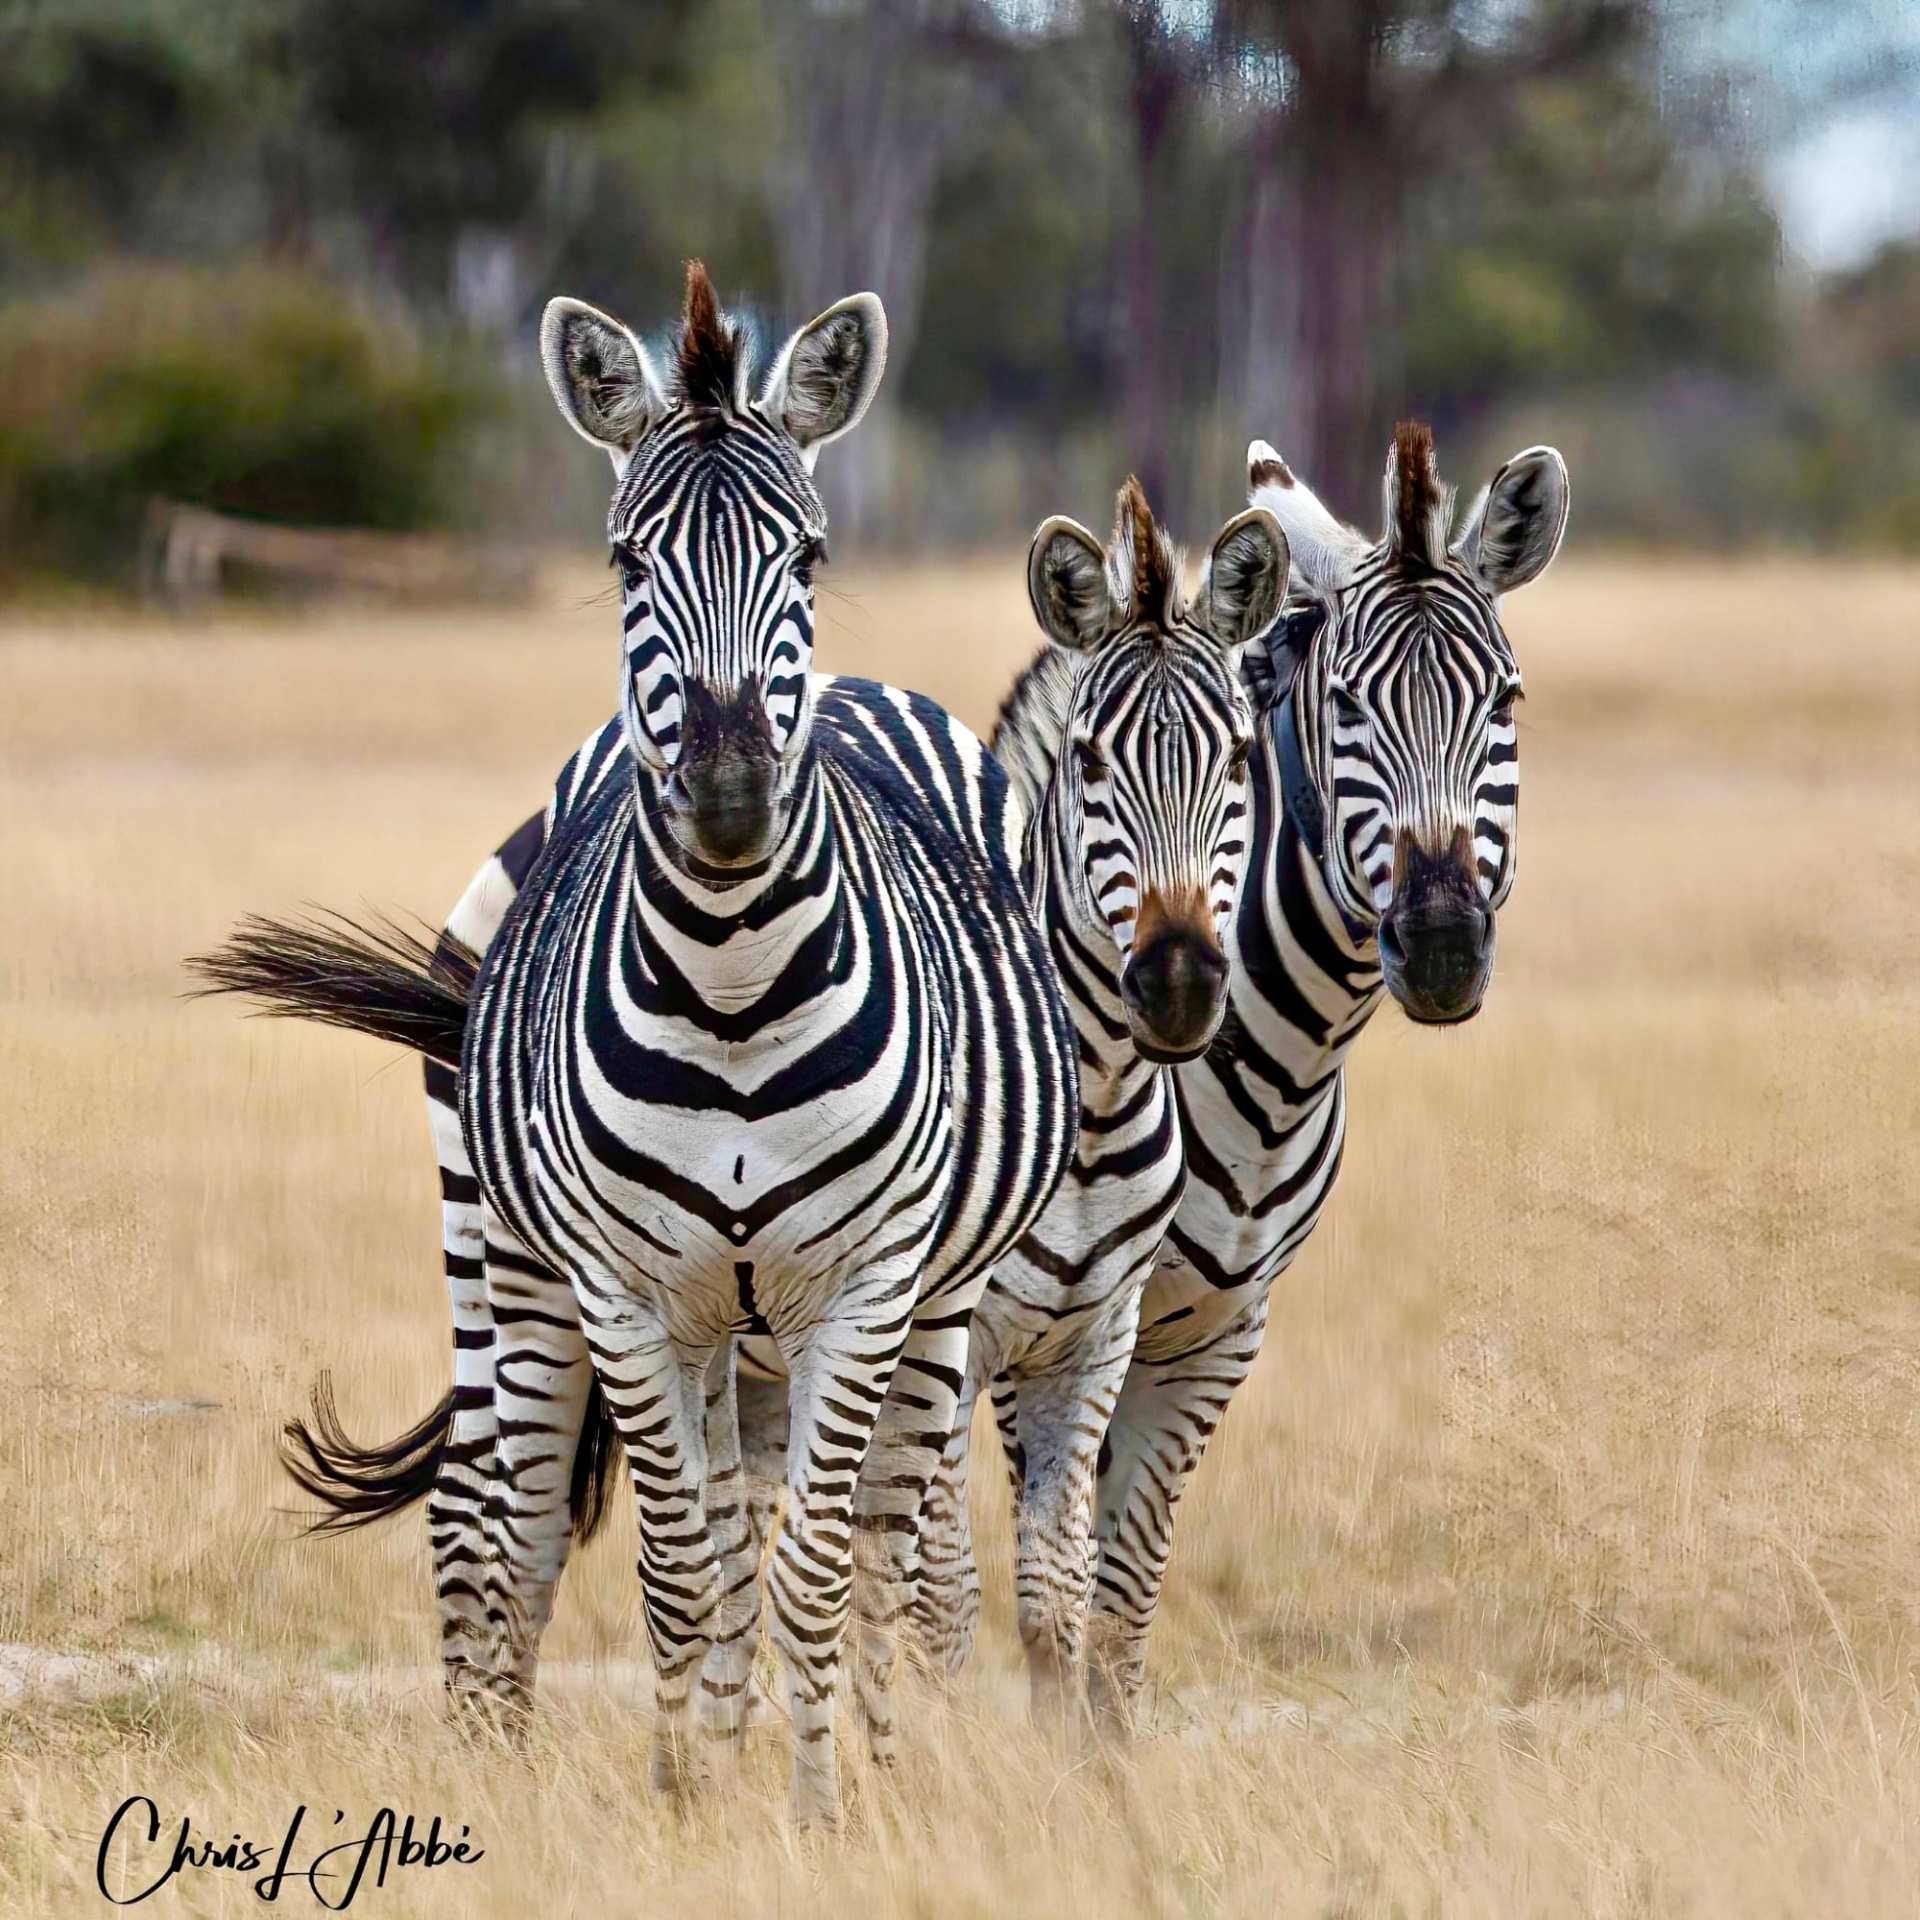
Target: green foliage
(248, 391)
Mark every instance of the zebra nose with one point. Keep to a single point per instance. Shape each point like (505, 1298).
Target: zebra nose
(1174, 990)
(725, 803)
(1436, 956)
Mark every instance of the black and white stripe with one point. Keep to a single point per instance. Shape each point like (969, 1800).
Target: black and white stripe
(1384, 808)
(766, 1044)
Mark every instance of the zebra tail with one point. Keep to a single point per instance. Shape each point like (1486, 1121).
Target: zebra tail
(359, 1485)
(378, 979)
(596, 1466)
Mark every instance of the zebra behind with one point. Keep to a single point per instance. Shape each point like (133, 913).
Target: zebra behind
(1128, 741)
(768, 1043)
(1385, 792)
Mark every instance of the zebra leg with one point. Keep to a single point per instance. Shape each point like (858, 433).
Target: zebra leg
(542, 1379)
(456, 1509)
(732, 1698)
(912, 1432)
(946, 1601)
(655, 1389)
(1167, 1413)
(1062, 1418)
(728, 1670)
(840, 1379)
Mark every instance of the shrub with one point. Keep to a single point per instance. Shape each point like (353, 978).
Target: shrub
(251, 392)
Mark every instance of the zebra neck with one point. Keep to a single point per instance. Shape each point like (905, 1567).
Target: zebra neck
(733, 947)
(1304, 987)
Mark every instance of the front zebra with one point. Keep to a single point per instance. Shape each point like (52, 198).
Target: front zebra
(1128, 740)
(1385, 797)
(768, 1043)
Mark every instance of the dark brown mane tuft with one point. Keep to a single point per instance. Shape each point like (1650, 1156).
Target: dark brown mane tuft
(709, 356)
(1151, 578)
(1417, 502)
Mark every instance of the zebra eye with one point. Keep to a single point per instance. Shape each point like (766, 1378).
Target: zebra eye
(810, 554)
(1503, 701)
(1238, 758)
(632, 564)
(1349, 710)
(1092, 767)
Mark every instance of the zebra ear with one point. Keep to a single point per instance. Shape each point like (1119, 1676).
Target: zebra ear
(827, 373)
(1324, 552)
(1246, 577)
(1067, 583)
(602, 381)
(1514, 529)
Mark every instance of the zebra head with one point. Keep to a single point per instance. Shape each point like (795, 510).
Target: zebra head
(1151, 776)
(1403, 692)
(716, 528)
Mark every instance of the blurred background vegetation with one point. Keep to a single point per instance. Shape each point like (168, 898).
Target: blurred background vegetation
(285, 258)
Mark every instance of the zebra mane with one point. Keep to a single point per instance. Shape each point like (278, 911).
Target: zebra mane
(1418, 508)
(1032, 724)
(1143, 565)
(709, 358)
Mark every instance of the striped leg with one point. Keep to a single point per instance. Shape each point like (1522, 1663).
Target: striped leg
(840, 1381)
(915, 1424)
(456, 1509)
(731, 1696)
(542, 1380)
(946, 1605)
(1062, 1418)
(726, 1677)
(1167, 1413)
(656, 1390)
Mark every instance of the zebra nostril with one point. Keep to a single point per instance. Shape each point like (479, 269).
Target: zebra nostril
(1393, 949)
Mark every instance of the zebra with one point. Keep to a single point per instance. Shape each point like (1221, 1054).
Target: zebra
(1128, 740)
(1384, 795)
(768, 1043)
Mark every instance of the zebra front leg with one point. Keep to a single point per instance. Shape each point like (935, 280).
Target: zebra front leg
(915, 1425)
(655, 1390)
(840, 1379)
(1061, 1418)
(1167, 1413)
(946, 1601)
(542, 1384)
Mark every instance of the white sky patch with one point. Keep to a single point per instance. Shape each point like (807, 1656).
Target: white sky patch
(1850, 185)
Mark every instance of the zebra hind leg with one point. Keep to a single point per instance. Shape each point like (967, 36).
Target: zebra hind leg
(732, 1699)
(913, 1430)
(543, 1460)
(946, 1601)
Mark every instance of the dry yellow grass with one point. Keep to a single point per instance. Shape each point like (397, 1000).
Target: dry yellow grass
(1565, 1547)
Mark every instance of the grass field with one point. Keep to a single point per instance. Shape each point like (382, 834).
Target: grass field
(1563, 1556)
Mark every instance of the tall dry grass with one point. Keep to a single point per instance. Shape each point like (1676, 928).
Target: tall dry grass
(1560, 1558)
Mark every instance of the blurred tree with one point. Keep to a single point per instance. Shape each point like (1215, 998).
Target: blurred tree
(455, 130)
(1360, 109)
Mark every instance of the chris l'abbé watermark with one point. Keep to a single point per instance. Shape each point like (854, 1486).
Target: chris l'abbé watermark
(142, 1852)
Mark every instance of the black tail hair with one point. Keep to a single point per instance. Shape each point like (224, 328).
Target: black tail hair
(359, 1485)
(379, 979)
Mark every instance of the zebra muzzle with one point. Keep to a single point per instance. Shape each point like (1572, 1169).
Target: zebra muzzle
(1174, 985)
(1437, 939)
